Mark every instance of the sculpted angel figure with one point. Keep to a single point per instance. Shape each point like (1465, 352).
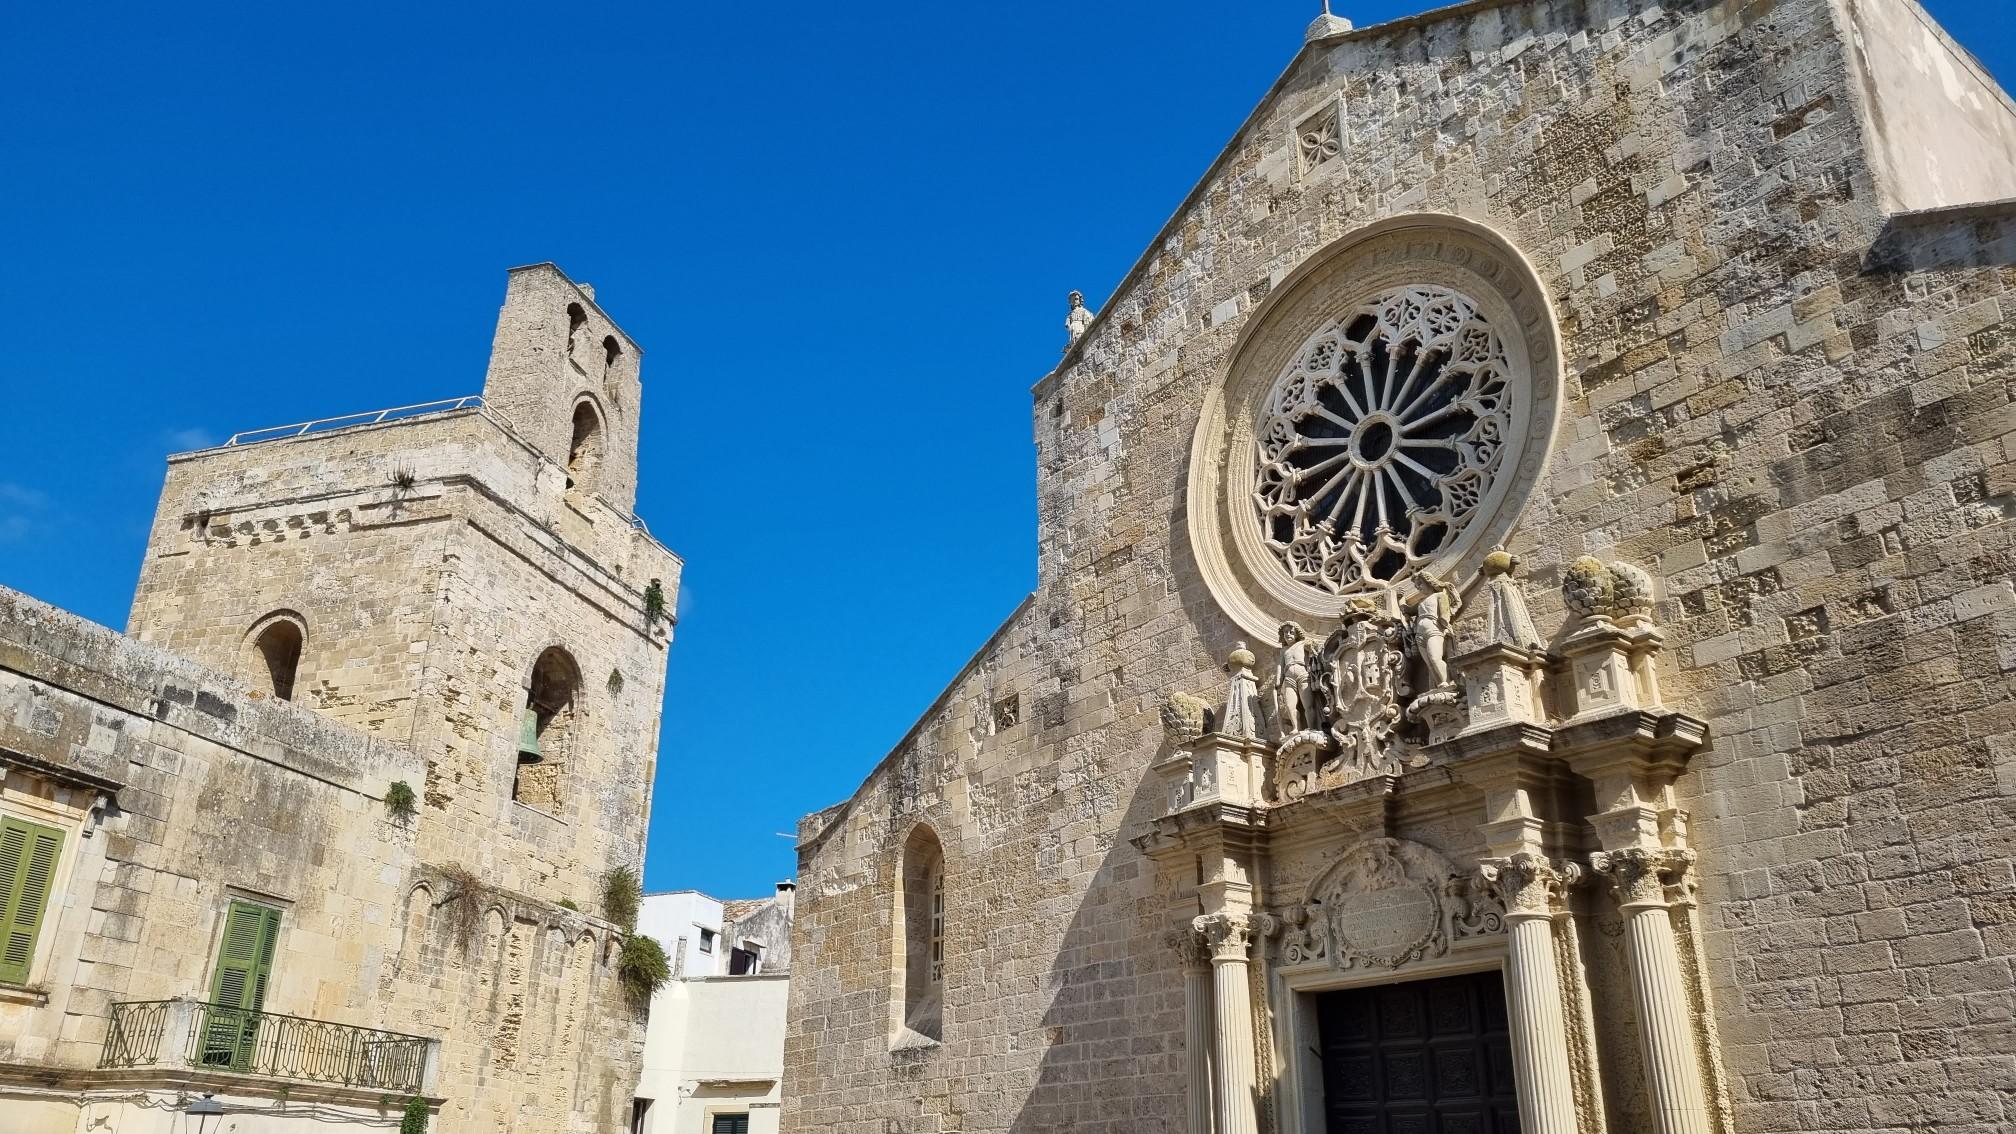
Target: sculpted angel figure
(1298, 704)
(1434, 610)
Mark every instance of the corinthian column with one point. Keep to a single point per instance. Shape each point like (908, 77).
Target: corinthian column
(1527, 883)
(1665, 1028)
(1227, 936)
(1197, 1031)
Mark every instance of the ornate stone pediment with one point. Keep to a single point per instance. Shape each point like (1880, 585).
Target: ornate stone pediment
(1384, 902)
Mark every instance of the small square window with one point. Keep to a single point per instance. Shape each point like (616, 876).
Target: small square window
(706, 941)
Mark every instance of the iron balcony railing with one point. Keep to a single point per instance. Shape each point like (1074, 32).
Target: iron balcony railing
(211, 1037)
(371, 417)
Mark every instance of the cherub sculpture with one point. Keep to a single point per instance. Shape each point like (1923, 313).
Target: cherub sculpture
(1298, 703)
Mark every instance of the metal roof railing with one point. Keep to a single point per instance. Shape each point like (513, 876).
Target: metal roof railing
(281, 432)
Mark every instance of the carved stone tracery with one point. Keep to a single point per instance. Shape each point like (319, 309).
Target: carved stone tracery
(1384, 410)
(1381, 438)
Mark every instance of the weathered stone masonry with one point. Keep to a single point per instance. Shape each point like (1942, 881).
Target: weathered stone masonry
(1769, 246)
(432, 565)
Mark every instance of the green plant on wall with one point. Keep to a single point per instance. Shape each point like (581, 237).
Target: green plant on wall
(622, 892)
(399, 801)
(642, 968)
(414, 1121)
(654, 603)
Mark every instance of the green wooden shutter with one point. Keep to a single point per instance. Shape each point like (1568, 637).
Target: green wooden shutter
(28, 854)
(245, 957)
(731, 1124)
(238, 991)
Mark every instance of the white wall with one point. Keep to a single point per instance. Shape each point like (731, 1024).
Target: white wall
(682, 914)
(1943, 133)
(715, 1044)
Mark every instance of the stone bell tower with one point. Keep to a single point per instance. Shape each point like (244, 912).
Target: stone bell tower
(465, 578)
(566, 376)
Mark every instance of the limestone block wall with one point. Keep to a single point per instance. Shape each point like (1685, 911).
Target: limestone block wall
(432, 561)
(541, 1034)
(220, 794)
(541, 366)
(1791, 410)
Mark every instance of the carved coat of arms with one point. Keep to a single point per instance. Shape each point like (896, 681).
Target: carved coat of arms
(1367, 671)
(1384, 902)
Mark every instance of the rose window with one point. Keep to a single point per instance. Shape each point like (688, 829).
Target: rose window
(1381, 438)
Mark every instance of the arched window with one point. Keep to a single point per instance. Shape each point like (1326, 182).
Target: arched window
(545, 731)
(920, 942)
(611, 351)
(584, 452)
(577, 337)
(273, 653)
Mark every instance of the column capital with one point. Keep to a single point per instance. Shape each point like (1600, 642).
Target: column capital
(1190, 948)
(1529, 884)
(1639, 875)
(1228, 936)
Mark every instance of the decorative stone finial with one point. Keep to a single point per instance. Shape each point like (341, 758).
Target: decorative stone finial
(1240, 658)
(1631, 594)
(1185, 718)
(1326, 25)
(1590, 589)
(1078, 318)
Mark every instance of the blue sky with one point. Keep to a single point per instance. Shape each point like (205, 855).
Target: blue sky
(843, 235)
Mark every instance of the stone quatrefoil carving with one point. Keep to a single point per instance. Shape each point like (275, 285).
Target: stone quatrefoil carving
(1379, 442)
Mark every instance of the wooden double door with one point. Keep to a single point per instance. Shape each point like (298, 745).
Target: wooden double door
(1423, 1057)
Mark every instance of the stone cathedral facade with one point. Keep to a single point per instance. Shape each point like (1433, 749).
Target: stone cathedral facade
(1523, 638)
(323, 835)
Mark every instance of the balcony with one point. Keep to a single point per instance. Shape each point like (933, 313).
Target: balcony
(210, 1038)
